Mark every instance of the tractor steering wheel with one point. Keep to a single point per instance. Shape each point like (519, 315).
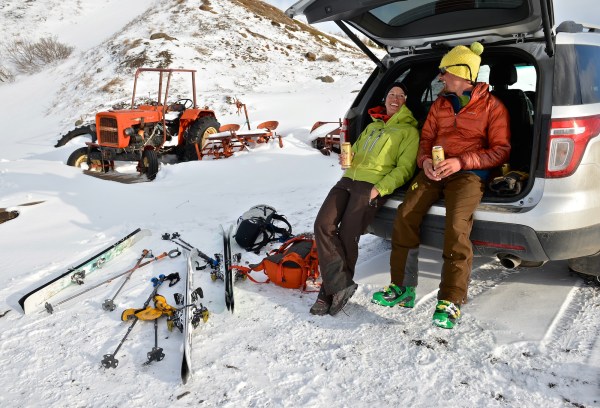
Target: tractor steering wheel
(187, 103)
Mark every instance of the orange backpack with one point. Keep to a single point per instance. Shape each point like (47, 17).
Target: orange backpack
(289, 266)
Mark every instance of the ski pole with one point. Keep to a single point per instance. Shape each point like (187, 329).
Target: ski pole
(186, 245)
(156, 354)
(172, 254)
(168, 237)
(109, 304)
(109, 360)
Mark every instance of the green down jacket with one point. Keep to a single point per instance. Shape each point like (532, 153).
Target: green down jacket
(385, 152)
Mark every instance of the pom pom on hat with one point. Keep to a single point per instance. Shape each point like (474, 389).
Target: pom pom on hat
(477, 48)
(456, 59)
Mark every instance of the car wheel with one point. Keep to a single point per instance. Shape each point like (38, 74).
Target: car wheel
(586, 265)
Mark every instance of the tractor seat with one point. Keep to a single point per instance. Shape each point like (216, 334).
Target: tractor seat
(176, 107)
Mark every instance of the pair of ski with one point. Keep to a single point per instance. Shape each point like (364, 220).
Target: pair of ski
(227, 271)
(77, 274)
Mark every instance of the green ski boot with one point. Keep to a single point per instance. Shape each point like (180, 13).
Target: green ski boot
(395, 296)
(446, 314)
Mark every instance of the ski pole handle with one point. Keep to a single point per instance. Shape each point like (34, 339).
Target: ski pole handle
(213, 263)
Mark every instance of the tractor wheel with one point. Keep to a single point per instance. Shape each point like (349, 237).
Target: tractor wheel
(149, 164)
(91, 159)
(201, 129)
(87, 130)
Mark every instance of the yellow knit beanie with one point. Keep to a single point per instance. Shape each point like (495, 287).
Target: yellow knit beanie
(463, 55)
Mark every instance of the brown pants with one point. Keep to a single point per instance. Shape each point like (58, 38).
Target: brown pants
(462, 194)
(342, 219)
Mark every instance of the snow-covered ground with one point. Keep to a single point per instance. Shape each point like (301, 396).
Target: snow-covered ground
(529, 338)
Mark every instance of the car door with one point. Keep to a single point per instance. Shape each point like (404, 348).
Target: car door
(420, 23)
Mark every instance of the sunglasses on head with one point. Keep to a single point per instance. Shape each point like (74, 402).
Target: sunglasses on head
(443, 70)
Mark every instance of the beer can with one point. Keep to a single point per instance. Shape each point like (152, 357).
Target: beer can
(437, 155)
(505, 169)
(346, 155)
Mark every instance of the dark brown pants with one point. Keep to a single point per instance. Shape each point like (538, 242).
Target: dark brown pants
(462, 194)
(342, 219)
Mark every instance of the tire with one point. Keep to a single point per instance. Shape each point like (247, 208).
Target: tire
(91, 158)
(201, 129)
(78, 157)
(149, 164)
(586, 265)
(80, 131)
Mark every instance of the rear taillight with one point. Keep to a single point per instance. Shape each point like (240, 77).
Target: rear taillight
(569, 138)
(344, 131)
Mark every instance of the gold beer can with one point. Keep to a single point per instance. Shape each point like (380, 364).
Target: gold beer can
(437, 155)
(505, 169)
(346, 155)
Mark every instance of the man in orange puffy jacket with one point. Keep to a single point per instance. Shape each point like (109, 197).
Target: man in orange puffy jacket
(472, 126)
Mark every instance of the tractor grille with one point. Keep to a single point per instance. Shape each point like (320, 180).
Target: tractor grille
(109, 131)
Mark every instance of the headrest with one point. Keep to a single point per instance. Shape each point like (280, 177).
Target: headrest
(503, 74)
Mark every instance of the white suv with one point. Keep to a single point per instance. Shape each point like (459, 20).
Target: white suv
(549, 80)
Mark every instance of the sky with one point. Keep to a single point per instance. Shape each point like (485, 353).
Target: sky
(528, 338)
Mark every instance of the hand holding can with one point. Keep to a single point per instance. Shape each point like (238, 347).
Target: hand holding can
(437, 155)
(346, 155)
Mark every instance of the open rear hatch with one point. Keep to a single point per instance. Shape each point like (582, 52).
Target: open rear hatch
(421, 23)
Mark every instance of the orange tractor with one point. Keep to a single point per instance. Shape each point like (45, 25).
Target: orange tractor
(146, 132)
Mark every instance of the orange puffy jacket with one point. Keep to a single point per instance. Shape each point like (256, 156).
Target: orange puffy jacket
(478, 135)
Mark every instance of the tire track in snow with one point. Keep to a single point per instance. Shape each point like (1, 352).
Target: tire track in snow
(571, 331)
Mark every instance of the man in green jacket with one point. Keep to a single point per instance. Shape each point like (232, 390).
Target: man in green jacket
(384, 158)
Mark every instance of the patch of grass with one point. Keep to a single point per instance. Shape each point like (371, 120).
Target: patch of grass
(262, 9)
(111, 85)
(29, 57)
(205, 6)
(165, 59)
(328, 58)
(256, 34)
(136, 61)
(6, 75)
(164, 36)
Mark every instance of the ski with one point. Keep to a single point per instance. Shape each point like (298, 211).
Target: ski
(188, 316)
(186, 361)
(227, 272)
(77, 274)
(109, 302)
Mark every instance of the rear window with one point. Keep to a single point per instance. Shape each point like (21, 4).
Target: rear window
(576, 75)
(526, 79)
(405, 12)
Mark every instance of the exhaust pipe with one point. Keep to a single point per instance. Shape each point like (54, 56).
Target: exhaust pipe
(509, 261)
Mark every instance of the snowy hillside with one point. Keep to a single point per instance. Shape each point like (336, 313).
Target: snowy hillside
(263, 49)
(529, 338)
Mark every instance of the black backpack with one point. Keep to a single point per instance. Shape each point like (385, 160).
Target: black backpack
(256, 228)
